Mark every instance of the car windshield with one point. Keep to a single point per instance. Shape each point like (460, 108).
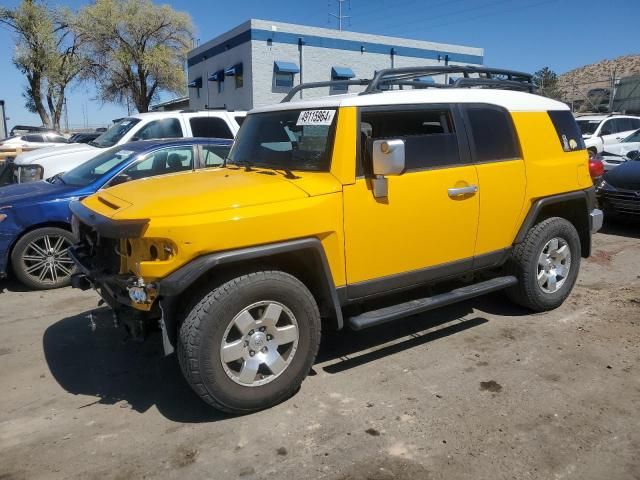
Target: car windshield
(95, 168)
(634, 137)
(115, 133)
(287, 140)
(588, 127)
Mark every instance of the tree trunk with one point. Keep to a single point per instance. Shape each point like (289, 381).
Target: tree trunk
(35, 82)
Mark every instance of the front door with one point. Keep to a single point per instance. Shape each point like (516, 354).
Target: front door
(426, 227)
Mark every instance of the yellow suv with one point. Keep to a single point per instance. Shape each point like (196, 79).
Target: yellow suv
(334, 212)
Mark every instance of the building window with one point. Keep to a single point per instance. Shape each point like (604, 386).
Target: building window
(218, 77)
(237, 73)
(284, 73)
(341, 73)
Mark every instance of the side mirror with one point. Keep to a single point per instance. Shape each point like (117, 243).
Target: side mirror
(117, 180)
(134, 139)
(388, 159)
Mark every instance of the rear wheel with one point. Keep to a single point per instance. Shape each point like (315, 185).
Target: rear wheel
(249, 344)
(546, 264)
(40, 258)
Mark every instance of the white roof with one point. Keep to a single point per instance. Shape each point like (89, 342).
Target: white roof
(513, 101)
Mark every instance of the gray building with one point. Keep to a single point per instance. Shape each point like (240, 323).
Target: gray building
(258, 62)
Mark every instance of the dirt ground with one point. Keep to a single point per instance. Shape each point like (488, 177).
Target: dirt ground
(478, 390)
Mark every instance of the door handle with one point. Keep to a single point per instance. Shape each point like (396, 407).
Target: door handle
(458, 192)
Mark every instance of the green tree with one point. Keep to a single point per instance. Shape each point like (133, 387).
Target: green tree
(137, 49)
(47, 53)
(547, 82)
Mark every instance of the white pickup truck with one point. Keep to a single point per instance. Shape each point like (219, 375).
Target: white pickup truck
(48, 162)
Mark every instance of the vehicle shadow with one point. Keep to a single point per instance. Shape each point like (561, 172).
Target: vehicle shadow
(101, 363)
(11, 285)
(629, 229)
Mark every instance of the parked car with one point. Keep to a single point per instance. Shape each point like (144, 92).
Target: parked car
(600, 131)
(46, 163)
(616, 154)
(84, 137)
(327, 204)
(32, 141)
(619, 191)
(35, 221)
(22, 129)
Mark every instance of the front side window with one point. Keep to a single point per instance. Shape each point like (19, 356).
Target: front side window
(429, 136)
(608, 128)
(568, 132)
(588, 127)
(33, 138)
(493, 137)
(115, 133)
(165, 128)
(289, 140)
(161, 162)
(210, 127)
(95, 168)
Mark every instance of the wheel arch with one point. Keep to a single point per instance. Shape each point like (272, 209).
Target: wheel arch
(304, 258)
(37, 226)
(572, 206)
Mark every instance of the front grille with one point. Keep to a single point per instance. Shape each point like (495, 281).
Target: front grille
(100, 253)
(622, 201)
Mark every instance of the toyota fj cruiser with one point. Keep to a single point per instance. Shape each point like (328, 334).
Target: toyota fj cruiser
(339, 211)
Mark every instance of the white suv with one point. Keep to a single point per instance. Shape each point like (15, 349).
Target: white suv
(601, 130)
(47, 162)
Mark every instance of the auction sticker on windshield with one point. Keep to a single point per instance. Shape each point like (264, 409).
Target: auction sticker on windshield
(315, 117)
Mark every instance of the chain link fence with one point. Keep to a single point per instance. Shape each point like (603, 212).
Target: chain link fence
(603, 95)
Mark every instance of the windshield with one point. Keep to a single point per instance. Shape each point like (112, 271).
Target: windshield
(287, 140)
(588, 127)
(115, 133)
(95, 168)
(634, 137)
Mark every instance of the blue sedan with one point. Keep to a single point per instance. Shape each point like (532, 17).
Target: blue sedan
(35, 220)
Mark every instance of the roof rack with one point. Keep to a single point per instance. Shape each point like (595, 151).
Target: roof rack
(413, 76)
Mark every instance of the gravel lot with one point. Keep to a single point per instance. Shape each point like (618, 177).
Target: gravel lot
(478, 390)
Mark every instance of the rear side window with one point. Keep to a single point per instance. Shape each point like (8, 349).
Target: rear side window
(210, 127)
(429, 136)
(567, 129)
(239, 120)
(493, 137)
(33, 138)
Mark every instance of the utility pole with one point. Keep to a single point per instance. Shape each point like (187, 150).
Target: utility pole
(339, 16)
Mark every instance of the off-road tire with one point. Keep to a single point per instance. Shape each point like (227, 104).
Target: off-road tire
(202, 331)
(19, 266)
(523, 264)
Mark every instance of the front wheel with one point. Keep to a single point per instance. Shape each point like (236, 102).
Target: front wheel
(40, 259)
(249, 344)
(546, 265)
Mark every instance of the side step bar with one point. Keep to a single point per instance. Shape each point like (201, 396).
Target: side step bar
(413, 307)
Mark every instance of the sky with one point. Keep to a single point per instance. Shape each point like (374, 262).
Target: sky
(515, 34)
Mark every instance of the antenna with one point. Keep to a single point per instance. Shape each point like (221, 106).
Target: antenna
(339, 16)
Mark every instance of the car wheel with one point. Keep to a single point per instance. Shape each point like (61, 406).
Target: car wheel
(40, 259)
(592, 153)
(249, 344)
(546, 265)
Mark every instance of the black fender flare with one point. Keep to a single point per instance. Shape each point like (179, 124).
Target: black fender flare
(180, 280)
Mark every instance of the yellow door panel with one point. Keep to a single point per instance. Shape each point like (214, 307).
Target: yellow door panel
(417, 226)
(502, 191)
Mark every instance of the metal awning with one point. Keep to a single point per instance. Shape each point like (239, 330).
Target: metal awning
(195, 83)
(217, 77)
(342, 72)
(285, 67)
(235, 70)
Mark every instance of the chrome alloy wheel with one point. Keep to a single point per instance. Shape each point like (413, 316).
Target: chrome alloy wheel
(47, 260)
(259, 343)
(554, 264)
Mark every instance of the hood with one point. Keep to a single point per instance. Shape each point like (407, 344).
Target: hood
(625, 176)
(33, 192)
(40, 154)
(193, 193)
(621, 148)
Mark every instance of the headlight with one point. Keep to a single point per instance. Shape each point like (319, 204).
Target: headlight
(29, 173)
(2, 217)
